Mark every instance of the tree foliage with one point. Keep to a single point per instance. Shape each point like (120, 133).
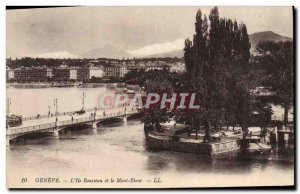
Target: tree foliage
(276, 59)
(217, 62)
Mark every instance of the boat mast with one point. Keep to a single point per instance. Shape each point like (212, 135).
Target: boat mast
(83, 97)
(56, 106)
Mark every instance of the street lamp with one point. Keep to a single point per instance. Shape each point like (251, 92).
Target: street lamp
(56, 107)
(83, 98)
(49, 107)
(8, 105)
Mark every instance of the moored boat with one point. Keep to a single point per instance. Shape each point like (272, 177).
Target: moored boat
(160, 141)
(130, 93)
(253, 145)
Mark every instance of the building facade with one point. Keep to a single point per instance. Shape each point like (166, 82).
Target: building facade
(87, 72)
(73, 74)
(31, 74)
(10, 74)
(61, 74)
(97, 72)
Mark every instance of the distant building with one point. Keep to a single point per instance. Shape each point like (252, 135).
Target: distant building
(80, 71)
(31, 74)
(178, 67)
(157, 65)
(96, 72)
(49, 73)
(83, 74)
(117, 70)
(73, 74)
(111, 71)
(62, 73)
(10, 74)
(122, 70)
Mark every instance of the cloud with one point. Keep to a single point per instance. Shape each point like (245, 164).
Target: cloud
(158, 48)
(57, 55)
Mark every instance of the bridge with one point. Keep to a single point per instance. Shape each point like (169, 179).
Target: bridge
(61, 121)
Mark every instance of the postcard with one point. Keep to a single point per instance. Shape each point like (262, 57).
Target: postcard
(150, 97)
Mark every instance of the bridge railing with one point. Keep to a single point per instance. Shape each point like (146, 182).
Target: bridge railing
(67, 122)
(117, 114)
(76, 121)
(31, 128)
(61, 114)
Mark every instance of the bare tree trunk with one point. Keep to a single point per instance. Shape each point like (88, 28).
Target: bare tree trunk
(286, 114)
(244, 130)
(207, 131)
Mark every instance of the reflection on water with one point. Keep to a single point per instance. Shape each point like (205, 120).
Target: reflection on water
(120, 148)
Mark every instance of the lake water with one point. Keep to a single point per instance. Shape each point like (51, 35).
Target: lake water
(118, 150)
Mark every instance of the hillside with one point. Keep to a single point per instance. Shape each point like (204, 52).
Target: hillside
(253, 38)
(264, 36)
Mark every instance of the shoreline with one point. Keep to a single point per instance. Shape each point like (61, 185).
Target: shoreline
(64, 84)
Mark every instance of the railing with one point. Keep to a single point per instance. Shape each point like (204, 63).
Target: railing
(31, 128)
(76, 121)
(62, 114)
(68, 122)
(92, 118)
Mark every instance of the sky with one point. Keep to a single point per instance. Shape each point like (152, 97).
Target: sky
(141, 31)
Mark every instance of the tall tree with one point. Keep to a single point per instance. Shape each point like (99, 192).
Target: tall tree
(216, 60)
(276, 58)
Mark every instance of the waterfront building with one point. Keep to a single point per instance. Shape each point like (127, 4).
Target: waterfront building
(73, 74)
(122, 70)
(31, 74)
(10, 74)
(97, 72)
(62, 73)
(83, 74)
(111, 71)
(49, 73)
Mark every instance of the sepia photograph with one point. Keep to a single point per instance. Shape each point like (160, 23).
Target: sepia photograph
(150, 97)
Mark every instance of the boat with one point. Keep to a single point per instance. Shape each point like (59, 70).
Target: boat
(253, 145)
(160, 141)
(74, 84)
(175, 137)
(121, 91)
(134, 87)
(173, 125)
(130, 93)
(111, 85)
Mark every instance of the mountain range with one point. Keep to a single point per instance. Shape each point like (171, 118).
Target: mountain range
(264, 36)
(109, 51)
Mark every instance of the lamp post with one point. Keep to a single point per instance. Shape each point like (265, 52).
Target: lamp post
(56, 107)
(49, 112)
(8, 105)
(83, 98)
